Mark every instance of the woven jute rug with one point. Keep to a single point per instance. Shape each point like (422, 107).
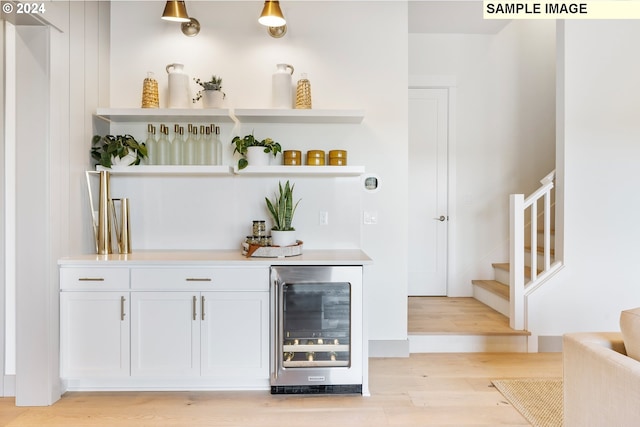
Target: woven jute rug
(539, 400)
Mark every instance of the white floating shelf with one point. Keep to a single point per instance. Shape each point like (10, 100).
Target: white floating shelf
(197, 115)
(168, 170)
(257, 115)
(302, 170)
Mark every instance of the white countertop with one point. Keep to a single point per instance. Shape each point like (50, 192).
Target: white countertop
(220, 258)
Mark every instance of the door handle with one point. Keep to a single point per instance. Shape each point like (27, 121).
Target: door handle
(441, 218)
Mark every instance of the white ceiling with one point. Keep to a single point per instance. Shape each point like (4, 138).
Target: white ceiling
(451, 16)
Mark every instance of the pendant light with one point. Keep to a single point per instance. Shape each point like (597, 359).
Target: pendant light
(271, 15)
(175, 11)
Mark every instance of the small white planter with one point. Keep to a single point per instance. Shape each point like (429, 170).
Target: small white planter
(283, 238)
(257, 157)
(212, 99)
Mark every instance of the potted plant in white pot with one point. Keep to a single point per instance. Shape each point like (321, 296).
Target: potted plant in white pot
(211, 94)
(117, 151)
(282, 210)
(253, 151)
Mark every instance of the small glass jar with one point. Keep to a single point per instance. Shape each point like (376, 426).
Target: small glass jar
(264, 241)
(259, 228)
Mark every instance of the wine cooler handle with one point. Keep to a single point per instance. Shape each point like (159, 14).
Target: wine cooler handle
(275, 327)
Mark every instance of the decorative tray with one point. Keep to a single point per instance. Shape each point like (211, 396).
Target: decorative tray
(258, 251)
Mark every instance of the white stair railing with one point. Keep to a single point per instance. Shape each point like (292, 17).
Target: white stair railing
(519, 282)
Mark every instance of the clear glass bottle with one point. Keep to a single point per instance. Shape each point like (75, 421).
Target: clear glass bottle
(177, 145)
(151, 143)
(202, 146)
(217, 146)
(189, 151)
(163, 151)
(211, 146)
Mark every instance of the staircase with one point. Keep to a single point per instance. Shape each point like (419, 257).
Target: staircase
(507, 291)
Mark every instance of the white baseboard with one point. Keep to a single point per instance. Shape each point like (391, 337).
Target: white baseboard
(9, 386)
(388, 348)
(467, 344)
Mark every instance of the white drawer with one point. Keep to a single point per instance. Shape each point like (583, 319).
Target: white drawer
(94, 278)
(205, 279)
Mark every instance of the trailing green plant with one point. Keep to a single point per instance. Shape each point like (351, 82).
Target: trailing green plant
(214, 84)
(282, 208)
(105, 148)
(241, 145)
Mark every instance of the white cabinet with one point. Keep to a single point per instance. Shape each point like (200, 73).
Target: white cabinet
(235, 335)
(164, 335)
(164, 328)
(94, 334)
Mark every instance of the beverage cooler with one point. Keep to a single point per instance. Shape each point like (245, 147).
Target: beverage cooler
(316, 329)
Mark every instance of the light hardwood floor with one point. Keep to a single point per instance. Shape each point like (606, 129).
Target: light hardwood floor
(422, 390)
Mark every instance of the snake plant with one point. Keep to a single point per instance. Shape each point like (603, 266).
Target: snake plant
(282, 208)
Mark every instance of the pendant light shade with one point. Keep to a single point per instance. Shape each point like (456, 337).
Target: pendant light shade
(175, 11)
(271, 15)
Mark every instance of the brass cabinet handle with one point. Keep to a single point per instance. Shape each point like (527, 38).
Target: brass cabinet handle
(91, 279)
(202, 307)
(198, 279)
(195, 301)
(122, 313)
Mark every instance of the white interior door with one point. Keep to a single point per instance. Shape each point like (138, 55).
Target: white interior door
(428, 171)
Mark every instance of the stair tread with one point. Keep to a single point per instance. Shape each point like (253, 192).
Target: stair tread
(505, 266)
(494, 286)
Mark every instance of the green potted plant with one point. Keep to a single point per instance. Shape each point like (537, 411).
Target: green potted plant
(282, 209)
(254, 151)
(118, 150)
(211, 93)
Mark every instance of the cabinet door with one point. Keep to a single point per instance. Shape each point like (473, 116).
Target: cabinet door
(235, 335)
(165, 334)
(94, 334)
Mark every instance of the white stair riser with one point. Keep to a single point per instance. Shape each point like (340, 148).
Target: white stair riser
(527, 259)
(468, 344)
(492, 300)
(501, 275)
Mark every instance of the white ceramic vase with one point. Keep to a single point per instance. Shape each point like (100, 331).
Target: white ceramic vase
(283, 238)
(212, 99)
(257, 157)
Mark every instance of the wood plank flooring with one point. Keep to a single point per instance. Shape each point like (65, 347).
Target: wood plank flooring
(422, 390)
(463, 316)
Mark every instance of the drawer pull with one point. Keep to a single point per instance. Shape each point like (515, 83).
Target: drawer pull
(91, 279)
(198, 279)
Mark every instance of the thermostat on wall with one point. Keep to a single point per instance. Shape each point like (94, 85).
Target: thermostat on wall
(371, 183)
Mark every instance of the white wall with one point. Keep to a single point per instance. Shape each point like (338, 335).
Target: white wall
(598, 155)
(504, 138)
(351, 63)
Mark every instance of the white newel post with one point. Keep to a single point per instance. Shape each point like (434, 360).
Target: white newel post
(516, 259)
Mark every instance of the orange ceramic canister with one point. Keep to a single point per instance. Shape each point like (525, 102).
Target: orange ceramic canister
(315, 158)
(292, 157)
(338, 157)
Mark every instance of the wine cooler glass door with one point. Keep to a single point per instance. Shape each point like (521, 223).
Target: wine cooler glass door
(316, 325)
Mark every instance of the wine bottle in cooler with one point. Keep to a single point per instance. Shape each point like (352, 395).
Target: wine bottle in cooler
(217, 146)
